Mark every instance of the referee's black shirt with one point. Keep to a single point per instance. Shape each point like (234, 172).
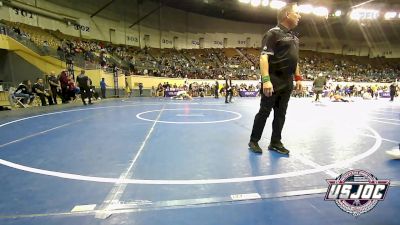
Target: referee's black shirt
(282, 48)
(83, 81)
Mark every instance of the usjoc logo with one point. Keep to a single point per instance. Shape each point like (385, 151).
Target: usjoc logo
(356, 191)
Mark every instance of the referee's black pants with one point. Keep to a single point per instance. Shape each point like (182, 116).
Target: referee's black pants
(279, 103)
(86, 93)
(392, 94)
(228, 94)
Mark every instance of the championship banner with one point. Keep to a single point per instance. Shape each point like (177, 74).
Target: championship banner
(248, 93)
(170, 93)
(384, 94)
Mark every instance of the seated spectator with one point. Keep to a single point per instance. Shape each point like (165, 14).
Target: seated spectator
(45, 47)
(60, 53)
(38, 89)
(24, 91)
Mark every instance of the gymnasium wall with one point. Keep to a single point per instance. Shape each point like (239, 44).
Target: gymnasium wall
(169, 28)
(15, 69)
(188, 28)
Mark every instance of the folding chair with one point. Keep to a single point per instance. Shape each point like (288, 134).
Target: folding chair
(14, 100)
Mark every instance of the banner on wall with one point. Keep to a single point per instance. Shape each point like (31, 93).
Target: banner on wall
(171, 93)
(248, 93)
(384, 94)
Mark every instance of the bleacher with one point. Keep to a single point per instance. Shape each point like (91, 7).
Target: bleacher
(242, 63)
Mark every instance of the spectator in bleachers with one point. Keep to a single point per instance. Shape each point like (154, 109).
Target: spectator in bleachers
(3, 30)
(45, 47)
(103, 60)
(60, 53)
(204, 63)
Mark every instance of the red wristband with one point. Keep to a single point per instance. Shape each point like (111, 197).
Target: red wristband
(298, 78)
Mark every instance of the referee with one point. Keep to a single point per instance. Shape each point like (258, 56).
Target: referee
(228, 88)
(278, 66)
(84, 85)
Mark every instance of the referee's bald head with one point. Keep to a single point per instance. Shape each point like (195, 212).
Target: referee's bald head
(283, 12)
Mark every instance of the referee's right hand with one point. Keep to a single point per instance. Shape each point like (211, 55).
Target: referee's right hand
(268, 89)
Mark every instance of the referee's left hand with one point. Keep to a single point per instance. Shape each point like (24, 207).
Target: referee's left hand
(299, 85)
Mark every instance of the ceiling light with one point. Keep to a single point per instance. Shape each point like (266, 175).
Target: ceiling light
(390, 15)
(276, 4)
(338, 13)
(306, 9)
(364, 14)
(255, 3)
(355, 15)
(244, 1)
(265, 2)
(321, 11)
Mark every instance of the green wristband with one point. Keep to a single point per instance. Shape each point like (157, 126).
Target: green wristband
(265, 79)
